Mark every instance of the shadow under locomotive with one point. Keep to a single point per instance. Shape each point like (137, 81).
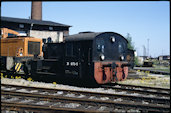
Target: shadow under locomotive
(85, 58)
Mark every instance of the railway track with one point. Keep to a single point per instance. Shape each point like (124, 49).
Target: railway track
(132, 74)
(138, 89)
(152, 71)
(80, 101)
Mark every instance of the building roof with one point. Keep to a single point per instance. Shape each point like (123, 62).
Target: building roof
(30, 21)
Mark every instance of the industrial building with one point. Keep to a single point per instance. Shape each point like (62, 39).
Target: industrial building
(164, 57)
(36, 28)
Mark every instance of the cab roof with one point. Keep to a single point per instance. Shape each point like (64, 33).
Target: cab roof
(87, 36)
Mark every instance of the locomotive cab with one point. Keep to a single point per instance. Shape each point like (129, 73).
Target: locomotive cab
(16, 51)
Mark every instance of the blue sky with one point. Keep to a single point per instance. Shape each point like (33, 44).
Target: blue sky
(142, 20)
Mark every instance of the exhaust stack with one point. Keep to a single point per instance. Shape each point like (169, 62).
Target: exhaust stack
(36, 10)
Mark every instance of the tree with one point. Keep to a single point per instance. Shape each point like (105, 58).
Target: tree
(131, 46)
(130, 43)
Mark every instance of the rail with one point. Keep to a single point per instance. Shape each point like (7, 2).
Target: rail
(98, 102)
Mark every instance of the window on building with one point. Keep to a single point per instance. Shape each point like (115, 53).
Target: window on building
(50, 28)
(60, 36)
(21, 25)
(21, 33)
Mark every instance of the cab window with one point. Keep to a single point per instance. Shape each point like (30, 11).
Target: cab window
(121, 47)
(100, 45)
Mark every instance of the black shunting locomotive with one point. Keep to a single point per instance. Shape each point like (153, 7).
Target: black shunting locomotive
(87, 57)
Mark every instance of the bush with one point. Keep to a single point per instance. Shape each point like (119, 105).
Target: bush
(136, 61)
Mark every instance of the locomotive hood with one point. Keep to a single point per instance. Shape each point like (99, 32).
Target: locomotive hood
(87, 36)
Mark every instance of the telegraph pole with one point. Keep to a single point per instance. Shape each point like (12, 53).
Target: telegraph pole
(148, 47)
(144, 51)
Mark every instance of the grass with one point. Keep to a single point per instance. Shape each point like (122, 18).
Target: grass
(162, 68)
(149, 80)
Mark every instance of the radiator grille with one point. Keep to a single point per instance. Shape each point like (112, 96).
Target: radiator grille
(34, 48)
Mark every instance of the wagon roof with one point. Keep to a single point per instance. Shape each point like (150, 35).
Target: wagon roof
(86, 36)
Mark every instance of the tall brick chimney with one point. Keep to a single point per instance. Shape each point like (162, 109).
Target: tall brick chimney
(36, 10)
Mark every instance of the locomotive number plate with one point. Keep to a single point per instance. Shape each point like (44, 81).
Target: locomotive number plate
(71, 63)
